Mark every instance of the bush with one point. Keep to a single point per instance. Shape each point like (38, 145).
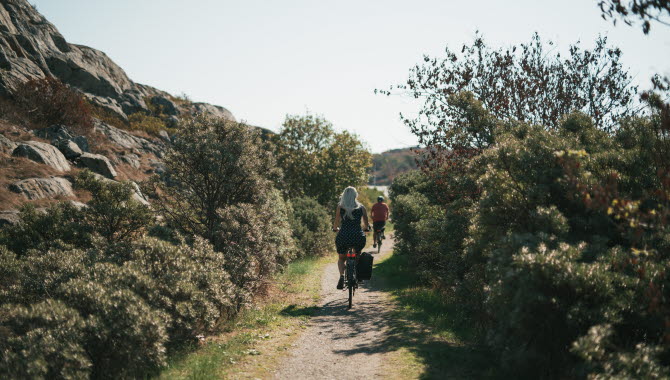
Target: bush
(310, 223)
(49, 101)
(188, 282)
(61, 223)
(113, 212)
(124, 336)
(42, 341)
(557, 251)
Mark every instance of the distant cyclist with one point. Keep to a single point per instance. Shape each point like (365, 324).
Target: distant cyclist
(379, 215)
(349, 213)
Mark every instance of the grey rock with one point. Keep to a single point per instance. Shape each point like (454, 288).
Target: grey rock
(69, 149)
(172, 121)
(212, 110)
(78, 205)
(54, 133)
(43, 153)
(131, 159)
(166, 105)
(164, 136)
(9, 218)
(127, 141)
(98, 164)
(138, 196)
(7, 145)
(38, 188)
(82, 143)
(156, 167)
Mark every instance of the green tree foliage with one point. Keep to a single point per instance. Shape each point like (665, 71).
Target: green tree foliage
(549, 234)
(645, 10)
(213, 164)
(318, 162)
(561, 264)
(310, 223)
(219, 185)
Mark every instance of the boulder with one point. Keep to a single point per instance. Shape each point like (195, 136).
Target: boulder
(166, 105)
(82, 143)
(69, 149)
(131, 159)
(98, 164)
(127, 141)
(7, 145)
(42, 153)
(212, 110)
(138, 196)
(38, 188)
(54, 133)
(9, 218)
(164, 136)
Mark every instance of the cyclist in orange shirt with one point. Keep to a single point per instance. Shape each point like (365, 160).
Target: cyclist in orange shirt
(379, 215)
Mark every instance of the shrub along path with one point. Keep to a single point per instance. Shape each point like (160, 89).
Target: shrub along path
(339, 342)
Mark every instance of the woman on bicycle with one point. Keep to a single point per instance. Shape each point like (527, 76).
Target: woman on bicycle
(349, 213)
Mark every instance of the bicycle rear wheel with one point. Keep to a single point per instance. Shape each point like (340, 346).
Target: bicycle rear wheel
(379, 243)
(351, 296)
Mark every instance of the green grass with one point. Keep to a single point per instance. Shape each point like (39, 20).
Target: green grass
(254, 341)
(431, 339)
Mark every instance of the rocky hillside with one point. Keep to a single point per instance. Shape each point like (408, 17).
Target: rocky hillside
(387, 165)
(31, 47)
(39, 160)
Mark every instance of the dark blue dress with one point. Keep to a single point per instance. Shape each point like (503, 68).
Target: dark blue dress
(351, 234)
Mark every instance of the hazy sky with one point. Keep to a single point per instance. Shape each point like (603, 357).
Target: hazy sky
(265, 59)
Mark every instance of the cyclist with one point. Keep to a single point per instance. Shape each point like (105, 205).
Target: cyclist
(379, 215)
(349, 214)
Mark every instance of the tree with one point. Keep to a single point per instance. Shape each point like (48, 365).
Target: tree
(213, 164)
(318, 162)
(468, 96)
(646, 10)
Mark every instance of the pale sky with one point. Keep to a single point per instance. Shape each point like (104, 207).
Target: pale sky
(264, 59)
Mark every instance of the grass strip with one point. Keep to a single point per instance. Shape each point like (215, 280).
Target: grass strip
(431, 339)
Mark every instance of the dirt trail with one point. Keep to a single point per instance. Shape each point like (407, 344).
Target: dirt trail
(339, 342)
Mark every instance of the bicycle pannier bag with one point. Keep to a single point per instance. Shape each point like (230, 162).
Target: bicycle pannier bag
(364, 266)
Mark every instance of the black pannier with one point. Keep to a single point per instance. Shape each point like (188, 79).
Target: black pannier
(364, 266)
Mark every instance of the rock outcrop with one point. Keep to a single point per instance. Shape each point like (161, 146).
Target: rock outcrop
(31, 47)
(97, 163)
(42, 153)
(123, 139)
(9, 218)
(38, 188)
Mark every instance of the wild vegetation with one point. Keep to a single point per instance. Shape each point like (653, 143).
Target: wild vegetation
(111, 289)
(546, 227)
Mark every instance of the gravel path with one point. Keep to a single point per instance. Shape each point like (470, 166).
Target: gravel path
(339, 342)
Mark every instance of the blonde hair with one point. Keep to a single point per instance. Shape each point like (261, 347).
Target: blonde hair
(348, 201)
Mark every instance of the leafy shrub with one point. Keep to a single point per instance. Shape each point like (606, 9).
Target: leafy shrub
(112, 211)
(310, 223)
(124, 336)
(559, 252)
(42, 341)
(49, 101)
(189, 283)
(61, 223)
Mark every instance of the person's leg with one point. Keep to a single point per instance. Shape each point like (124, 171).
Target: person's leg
(340, 264)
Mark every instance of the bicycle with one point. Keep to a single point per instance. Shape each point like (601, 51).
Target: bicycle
(379, 233)
(350, 274)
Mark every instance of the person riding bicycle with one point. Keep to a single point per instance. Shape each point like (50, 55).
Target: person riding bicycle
(350, 234)
(379, 215)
